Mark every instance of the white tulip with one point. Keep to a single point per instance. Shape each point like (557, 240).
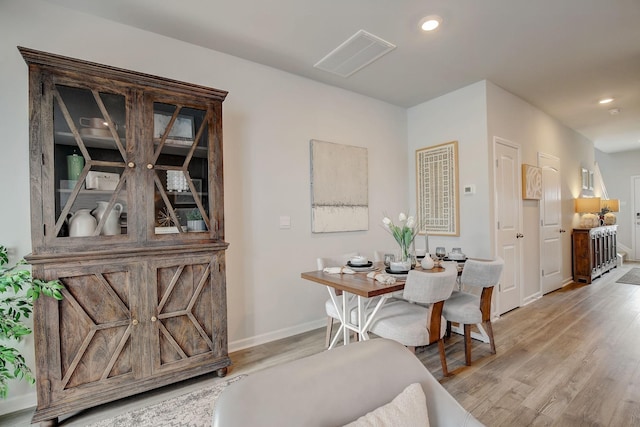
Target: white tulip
(402, 217)
(410, 222)
(386, 221)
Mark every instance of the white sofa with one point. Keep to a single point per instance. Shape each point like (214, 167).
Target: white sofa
(334, 388)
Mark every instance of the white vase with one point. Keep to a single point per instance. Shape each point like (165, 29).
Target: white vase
(427, 262)
(82, 223)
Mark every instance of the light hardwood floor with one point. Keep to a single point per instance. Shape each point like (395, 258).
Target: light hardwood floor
(571, 358)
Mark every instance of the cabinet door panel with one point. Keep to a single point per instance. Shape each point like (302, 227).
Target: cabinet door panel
(179, 161)
(188, 297)
(91, 161)
(92, 338)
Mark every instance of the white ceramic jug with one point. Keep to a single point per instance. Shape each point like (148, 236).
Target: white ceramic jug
(82, 223)
(111, 225)
(427, 262)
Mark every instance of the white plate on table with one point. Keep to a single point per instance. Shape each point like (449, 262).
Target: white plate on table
(361, 267)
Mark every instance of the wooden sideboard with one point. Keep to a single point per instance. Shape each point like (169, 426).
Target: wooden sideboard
(594, 252)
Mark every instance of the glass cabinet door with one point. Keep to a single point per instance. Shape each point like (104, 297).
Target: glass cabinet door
(91, 172)
(180, 164)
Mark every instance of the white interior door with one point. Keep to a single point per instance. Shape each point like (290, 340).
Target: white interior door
(636, 218)
(508, 222)
(551, 230)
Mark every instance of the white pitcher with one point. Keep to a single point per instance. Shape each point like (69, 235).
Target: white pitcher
(111, 225)
(82, 223)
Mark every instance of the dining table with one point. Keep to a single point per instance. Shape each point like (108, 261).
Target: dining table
(361, 293)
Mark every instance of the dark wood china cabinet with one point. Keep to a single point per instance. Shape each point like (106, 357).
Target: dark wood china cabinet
(127, 212)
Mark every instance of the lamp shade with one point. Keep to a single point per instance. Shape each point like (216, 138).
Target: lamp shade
(587, 205)
(611, 205)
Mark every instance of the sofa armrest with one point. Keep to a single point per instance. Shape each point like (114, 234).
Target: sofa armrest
(333, 388)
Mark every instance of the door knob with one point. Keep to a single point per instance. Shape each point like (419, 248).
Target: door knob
(134, 322)
(519, 236)
(149, 166)
(563, 230)
(154, 318)
(131, 165)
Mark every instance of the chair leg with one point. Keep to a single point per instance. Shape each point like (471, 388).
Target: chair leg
(443, 358)
(327, 341)
(448, 329)
(412, 349)
(467, 344)
(489, 329)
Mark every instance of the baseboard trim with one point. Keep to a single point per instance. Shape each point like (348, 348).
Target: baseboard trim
(276, 335)
(15, 404)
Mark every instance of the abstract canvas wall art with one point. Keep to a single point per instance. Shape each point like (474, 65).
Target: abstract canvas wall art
(531, 182)
(339, 187)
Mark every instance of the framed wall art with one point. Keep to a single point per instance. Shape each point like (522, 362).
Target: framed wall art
(438, 204)
(531, 182)
(584, 174)
(339, 187)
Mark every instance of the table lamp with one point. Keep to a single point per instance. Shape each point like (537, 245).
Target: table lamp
(607, 207)
(587, 206)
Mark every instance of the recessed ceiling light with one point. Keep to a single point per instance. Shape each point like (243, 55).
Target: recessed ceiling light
(430, 23)
(605, 100)
(614, 111)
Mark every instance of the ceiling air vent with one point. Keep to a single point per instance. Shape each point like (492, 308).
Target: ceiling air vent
(357, 52)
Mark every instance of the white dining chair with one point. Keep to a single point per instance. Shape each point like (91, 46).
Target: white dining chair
(417, 320)
(332, 313)
(465, 308)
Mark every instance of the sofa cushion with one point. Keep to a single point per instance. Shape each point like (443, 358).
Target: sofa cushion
(408, 409)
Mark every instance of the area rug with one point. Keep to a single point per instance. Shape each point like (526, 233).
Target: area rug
(632, 277)
(193, 409)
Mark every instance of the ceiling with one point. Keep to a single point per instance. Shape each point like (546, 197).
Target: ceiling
(561, 56)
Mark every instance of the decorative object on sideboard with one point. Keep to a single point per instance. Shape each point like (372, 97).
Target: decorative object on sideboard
(195, 221)
(106, 181)
(607, 209)
(82, 223)
(75, 163)
(588, 206)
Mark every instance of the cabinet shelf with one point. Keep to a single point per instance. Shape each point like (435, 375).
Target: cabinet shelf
(108, 143)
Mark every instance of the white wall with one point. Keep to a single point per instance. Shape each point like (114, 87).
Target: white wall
(536, 132)
(617, 170)
(269, 117)
(457, 116)
(473, 115)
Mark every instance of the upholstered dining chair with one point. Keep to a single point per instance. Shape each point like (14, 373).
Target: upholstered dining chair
(468, 309)
(332, 313)
(417, 319)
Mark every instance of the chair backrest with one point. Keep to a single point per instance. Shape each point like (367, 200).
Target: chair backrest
(484, 274)
(337, 261)
(427, 288)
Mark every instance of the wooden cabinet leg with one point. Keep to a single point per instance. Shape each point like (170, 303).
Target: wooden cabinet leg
(49, 423)
(221, 372)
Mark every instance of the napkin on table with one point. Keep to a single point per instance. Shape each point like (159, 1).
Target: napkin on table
(385, 279)
(338, 270)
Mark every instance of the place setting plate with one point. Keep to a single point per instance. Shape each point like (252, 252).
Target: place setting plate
(368, 266)
(396, 274)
